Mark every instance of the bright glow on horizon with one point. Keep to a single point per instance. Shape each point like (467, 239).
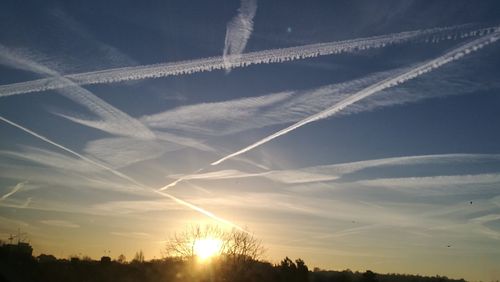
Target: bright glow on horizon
(207, 248)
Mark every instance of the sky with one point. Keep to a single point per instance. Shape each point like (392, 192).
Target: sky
(351, 134)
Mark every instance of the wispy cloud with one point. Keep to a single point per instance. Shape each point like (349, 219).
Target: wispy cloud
(60, 223)
(232, 116)
(496, 200)
(103, 54)
(283, 176)
(118, 123)
(123, 176)
(16, 188)
(64, 44)
(137, 206)
(246, 59)
(395, 80)
(218, 117)
(90, 161)
(312, 206)
(113, 120)
(12, 222)
(50, 159)
(183, 141)
(199, 209)
(121, 152)
(50, 174)
(221, 174)
(181, 178)
(238, 31)
(433, 181)
(353, 214)
(132, 235)
(347, 168)
(26, 203)
(349, 215)
(336, 171)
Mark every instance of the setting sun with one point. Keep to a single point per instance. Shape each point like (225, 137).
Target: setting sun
(207, 248)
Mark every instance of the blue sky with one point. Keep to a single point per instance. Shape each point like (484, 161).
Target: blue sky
(352, 134)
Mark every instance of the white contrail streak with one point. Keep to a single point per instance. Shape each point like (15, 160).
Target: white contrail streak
(414, 72)
(113, 171)
(238, 31)
(335, 171)
(114, 120)
(252, 58)
(16, 188)
(186, 177)
(198, 209)
(121, 175)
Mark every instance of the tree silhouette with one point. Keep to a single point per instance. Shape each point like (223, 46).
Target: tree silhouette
(241, 245)
(182, 244)
(237, 259)
(369, 276)
(293, 271)
(237, 245)
(302, 270)
(138, 257)
(121, 259)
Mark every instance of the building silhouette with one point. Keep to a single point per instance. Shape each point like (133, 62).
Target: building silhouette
(19, 249)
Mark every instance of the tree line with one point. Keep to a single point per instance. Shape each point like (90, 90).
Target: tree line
(238, 258)
(174, 269)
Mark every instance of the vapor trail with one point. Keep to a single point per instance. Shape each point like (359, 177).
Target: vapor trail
(178, 180)
(16, 188)
(115, 120)
(200, 210)
(243, 60)
(113, 171)
(414, 72)
(121, 175)
(238, 32)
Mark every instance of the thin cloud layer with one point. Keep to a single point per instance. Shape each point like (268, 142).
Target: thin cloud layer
(213, 118)
(60, 223)
(121, 152)
(103, 54)
(433, 181)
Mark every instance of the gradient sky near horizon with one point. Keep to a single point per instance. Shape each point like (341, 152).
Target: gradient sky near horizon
(404, 180)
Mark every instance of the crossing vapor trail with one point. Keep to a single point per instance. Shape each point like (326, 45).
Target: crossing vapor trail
(242, 60)
(112, 120)
(399, 78)
(238, 32)
(121, 175)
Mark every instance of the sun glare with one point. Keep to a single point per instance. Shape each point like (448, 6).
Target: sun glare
(205, 249)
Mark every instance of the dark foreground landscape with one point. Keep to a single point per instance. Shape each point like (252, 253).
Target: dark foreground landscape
(15, 266)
